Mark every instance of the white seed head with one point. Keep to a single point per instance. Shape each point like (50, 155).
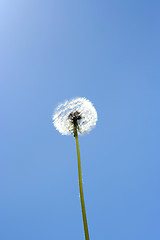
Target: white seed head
(79, 113)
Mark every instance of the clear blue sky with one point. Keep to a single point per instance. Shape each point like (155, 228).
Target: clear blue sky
(108, 52)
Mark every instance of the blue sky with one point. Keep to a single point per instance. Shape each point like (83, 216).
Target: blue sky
(108, 52)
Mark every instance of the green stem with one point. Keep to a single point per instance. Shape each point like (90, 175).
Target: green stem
(81, 187)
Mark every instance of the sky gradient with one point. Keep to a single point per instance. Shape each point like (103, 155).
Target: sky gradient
(108, 52)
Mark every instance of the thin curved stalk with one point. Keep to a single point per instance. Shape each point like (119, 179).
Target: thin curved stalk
(81, 188)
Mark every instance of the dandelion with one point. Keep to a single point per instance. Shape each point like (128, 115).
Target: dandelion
(77, 116)
(78, 111)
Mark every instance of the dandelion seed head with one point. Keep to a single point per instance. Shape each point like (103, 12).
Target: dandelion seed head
(79, 113)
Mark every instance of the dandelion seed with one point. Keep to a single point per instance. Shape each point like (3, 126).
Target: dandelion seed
(73, 117)
(79, 112)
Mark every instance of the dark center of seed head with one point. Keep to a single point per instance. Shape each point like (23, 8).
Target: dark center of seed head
(74, 117)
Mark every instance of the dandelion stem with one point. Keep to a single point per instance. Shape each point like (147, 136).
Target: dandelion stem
(81, 188)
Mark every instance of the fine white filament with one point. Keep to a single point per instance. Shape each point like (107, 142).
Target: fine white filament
(81, 105)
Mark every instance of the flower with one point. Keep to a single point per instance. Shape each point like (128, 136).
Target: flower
(79, 113)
